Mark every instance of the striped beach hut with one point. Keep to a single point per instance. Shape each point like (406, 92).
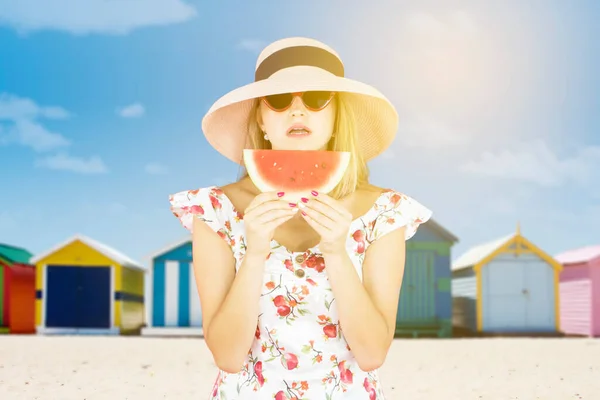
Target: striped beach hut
(508, 285)
(580, 291)
(425, 304)
(172, 296)
(17, 290)
(84, 286)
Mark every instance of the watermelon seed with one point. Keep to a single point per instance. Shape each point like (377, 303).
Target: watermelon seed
(316, 165)
(292, 179)
(323, 165)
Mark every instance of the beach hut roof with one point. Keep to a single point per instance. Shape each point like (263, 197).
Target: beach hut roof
(475, 255)
(14, 254)
(579, 255)
(446, 234)
(166, 249)
(108, 251)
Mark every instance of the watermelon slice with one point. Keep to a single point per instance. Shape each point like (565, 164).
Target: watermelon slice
(296, 172)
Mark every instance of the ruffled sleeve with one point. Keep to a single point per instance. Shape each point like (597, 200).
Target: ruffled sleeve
(396, 211)
(199, 203)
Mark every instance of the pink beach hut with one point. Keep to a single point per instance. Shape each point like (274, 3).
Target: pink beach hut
(580, 291)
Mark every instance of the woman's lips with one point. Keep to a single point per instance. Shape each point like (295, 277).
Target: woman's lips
(298, 130)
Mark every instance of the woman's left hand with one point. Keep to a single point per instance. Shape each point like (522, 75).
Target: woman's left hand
(330, 219)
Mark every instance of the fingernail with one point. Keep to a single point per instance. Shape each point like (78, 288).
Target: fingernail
(280, 194)
(314, 193)
(292, 204)
(304, 200)
(303, 213)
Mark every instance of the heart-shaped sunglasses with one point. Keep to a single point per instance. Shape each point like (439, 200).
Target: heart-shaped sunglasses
(313, 100)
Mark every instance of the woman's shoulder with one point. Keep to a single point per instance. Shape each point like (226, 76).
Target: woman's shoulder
(394, 209)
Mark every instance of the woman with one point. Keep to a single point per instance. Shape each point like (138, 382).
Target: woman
(299, 300)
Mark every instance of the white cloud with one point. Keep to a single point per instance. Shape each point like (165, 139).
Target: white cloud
(252, 45)
(24, 129)
(17, 108)
(34, 135)
(92, 16)
(155, 169)
(534, 162)
(132, 111)
(65, 162)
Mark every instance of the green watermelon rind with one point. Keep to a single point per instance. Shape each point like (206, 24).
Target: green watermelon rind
(264, 186)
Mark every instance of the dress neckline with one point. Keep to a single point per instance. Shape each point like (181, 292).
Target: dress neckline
(314, 248)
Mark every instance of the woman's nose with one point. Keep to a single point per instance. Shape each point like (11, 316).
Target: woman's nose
(297, 107)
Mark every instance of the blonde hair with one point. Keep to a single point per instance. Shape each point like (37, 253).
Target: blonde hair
(345, 138)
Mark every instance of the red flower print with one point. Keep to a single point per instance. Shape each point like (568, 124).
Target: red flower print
(289, 265)
(368, 385)
(258, 372)
(289, 361)
(215, 202)
(395, 199)
(316, 262)
(345, 374)
(330, 330)
(281, 396)
(197, 209)
(359, 237)
(281, 303)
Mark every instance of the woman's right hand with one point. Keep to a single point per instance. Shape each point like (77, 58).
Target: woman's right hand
(262, 216)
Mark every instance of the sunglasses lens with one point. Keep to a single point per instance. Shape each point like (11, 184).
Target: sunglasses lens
(316, 99)
(279, 101)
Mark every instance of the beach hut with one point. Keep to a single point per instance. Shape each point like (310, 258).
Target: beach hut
(84, 286)
(425, 304)
(580, 291)
(173, 302)
(17, 290)
(508, 285)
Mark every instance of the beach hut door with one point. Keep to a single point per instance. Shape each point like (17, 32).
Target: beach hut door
(417, 297)
(195, 311)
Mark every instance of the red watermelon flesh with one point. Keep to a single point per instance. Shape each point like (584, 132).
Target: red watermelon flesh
(296, 172)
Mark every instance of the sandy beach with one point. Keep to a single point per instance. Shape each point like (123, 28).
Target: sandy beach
(100, 367)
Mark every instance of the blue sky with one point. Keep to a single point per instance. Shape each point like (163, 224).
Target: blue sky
(100, 110)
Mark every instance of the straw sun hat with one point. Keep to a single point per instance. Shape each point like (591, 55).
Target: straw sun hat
(295, 65)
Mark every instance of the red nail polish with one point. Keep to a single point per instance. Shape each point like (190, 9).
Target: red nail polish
(280, 194)
(292, 204)
(303, 213)
(314, 193)
(304, 200)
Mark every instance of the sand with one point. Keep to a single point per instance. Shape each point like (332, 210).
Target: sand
(100, 367)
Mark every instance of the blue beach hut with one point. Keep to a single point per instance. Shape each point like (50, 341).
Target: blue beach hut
(173, 302)
(506, 286)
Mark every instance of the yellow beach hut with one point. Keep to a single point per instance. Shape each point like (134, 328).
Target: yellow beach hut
(84, 286)
(508, 285)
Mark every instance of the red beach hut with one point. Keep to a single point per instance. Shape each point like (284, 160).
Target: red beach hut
(17, 290)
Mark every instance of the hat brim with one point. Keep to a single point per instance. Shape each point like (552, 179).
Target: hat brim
(225, 125)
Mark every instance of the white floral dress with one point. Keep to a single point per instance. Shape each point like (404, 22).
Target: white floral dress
(299, 351)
